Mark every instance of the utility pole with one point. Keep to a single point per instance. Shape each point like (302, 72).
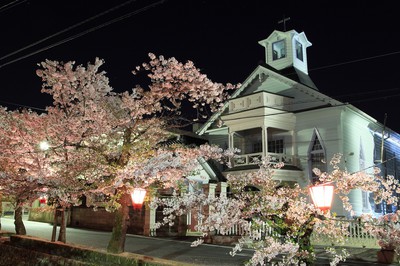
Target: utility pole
(383, 162)
(383, 139)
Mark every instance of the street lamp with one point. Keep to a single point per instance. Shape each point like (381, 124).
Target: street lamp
(44, 145)
(42, 200)
(321, 196)
(137, 196)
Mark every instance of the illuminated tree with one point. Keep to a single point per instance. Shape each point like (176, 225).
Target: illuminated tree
(103, 142)
(257, 200)
(22, 165)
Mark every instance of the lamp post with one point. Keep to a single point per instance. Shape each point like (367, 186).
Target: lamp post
(44, 145)
(321, 196)
(137, 196)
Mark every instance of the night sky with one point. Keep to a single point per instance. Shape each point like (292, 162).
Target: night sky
(354, 57)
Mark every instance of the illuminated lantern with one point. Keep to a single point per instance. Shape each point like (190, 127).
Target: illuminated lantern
(44, 146)
(321, 196)
(137, 196)
(42, 200)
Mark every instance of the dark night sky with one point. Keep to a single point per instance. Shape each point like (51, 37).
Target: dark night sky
(354, 57)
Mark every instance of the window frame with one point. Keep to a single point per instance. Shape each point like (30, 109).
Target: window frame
(299, 52)
(279, 51)
(311, 152)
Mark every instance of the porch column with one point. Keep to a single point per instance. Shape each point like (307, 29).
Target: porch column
(264, 133)
(211, 190)
(294, 152)
(223, 188)
(183, 224)
(230, 136)
(231, 140)
(149, 228)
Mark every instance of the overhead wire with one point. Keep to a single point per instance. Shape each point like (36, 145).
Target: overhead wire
(300, 101)
(21, 105)
(355, 61)
(11, 5)
(67, 29)
(71, 38)
(85, 32)
(16, 2)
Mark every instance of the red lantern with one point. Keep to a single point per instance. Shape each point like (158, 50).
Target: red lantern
(42, 200)
(322, 196)
(137, 196)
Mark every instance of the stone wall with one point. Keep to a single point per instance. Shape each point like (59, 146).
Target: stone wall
(84, 217)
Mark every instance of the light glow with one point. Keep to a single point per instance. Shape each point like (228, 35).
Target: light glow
(137, 196)
(321, 196)
(43, 200)
(44, 146)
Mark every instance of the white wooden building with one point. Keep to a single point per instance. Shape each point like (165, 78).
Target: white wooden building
(278, 111)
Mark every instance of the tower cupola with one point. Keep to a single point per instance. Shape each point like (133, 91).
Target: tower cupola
(286, 49)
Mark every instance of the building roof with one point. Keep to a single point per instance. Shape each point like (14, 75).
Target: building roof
(296, 83)
(295, 75)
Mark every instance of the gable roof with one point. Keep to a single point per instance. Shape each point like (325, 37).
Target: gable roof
(295, 75)
(296, 83)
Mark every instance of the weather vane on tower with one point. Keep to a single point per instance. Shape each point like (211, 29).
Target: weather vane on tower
(284, 22)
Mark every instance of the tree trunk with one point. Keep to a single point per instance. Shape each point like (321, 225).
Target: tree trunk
(1, 210)
(117, 241)
(19, 224)
(54, 232)
(63, 226)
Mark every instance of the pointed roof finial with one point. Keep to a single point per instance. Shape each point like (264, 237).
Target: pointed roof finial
(284, 22)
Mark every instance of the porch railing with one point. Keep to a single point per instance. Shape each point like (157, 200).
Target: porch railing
(254, 158)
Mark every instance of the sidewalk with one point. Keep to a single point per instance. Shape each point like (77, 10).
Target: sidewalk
(359, 256)
(178, 248)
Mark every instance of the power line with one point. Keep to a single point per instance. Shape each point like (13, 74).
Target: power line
(67, 29)
(11, 5)
(356, 60)
(21, 105)
(121, 18)
(311, 101)
(365, 92)
(84, 32)
(299, 101)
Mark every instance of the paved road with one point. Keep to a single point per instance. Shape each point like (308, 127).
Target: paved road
(156, 247)
(171, 249)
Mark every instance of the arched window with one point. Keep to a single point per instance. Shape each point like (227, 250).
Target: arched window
(316, 156)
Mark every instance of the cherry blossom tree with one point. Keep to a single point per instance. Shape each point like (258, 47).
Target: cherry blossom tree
(107, 143)
(22, 165)
(257, 202)
(102, 142)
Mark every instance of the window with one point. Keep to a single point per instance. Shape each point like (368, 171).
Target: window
(278, 50)
(257, 147)
(275, 146)
(299, 50)
(316, 156)
(248, 141)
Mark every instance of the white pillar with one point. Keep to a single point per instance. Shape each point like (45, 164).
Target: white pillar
(211, 190)
(223, 186)
(264, 133)
(153, 221)
(231, 160)
(231, 145)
